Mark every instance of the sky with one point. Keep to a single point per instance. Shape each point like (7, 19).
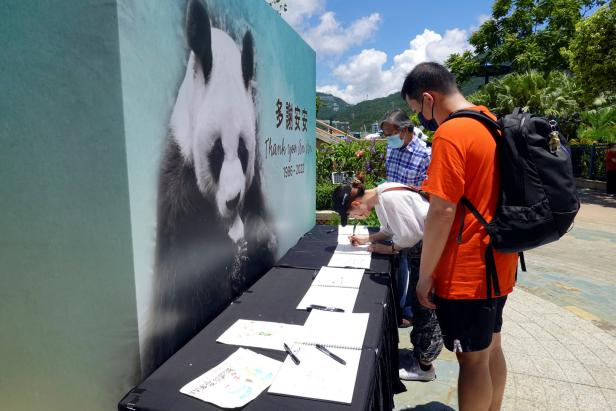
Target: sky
(366, 47)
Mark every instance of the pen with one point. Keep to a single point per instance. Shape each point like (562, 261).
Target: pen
(329, 353)
(354, 225)
(293, 356)
(322, 307)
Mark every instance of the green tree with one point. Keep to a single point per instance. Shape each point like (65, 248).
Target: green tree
(319, 104)
(527, 34)
(598, 125)
(555, 94)
(592, 52)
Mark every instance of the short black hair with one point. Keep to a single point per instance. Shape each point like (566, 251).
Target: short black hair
(428, 77)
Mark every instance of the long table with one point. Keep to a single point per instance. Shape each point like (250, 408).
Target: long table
(274, 298)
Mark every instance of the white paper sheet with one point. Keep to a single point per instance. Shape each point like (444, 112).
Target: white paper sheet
(236, 381)
(361, 230)
(348, 230)
(334, 297)
(261, 334)
(352, 249)
(350, 260)
(318, 376)
(345, 330)
(343, 239)
(338, 277)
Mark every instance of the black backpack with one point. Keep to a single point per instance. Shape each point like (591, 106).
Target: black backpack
(538, 200)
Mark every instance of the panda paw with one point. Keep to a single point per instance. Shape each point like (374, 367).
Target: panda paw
(242, 249)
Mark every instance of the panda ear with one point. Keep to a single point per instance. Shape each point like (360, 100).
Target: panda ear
(248, 59)
(199, 34)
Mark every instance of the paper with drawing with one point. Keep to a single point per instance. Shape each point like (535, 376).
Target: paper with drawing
(260, 334)
(236, 381)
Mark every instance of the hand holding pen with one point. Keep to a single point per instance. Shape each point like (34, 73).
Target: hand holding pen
(359, 239)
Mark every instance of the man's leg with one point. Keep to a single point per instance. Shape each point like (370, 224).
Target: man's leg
(471, 328)
(474, 380)
(498, 372)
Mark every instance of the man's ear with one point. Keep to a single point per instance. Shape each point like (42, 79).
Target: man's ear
(355, 203)
(428, 97)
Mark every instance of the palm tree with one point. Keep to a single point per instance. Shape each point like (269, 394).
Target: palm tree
(553, 95)
(599, 125)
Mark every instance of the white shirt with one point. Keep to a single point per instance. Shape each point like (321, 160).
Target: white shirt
(402, 214)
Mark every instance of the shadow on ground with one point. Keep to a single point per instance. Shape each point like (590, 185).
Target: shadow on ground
(596, 197)
(431, 406)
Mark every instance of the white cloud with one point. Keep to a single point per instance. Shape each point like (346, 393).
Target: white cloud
(482, 18)
(300, 10)
(364, 76)
(330, 37)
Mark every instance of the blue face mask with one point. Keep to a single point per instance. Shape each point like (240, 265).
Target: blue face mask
(394, 141)
(431, 124)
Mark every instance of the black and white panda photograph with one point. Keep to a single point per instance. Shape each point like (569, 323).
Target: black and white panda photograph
(214, 236)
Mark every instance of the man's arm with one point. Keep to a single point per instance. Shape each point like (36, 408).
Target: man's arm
(438, 224)
(380, 236)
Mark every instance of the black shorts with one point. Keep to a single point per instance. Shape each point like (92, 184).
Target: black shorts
(468, 325)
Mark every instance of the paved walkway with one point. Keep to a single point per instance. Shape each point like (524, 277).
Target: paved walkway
(559, 326)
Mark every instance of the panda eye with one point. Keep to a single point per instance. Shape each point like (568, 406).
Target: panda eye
(216, 157)
(242, 153)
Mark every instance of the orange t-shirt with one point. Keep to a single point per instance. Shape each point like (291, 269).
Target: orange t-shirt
(464, 162)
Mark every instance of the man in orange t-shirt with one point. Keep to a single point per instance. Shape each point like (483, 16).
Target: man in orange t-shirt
(464, 163)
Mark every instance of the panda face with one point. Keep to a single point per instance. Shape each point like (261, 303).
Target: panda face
(224, 126)
(214, 120)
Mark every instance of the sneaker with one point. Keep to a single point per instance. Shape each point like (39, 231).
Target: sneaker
(413, 372)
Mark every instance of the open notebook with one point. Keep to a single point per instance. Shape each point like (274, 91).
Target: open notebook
(318, 375)
(260, 334)
(351, 229)
(347, 255)
(334, 287)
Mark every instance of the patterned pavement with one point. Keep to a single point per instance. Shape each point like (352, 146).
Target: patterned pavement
(559, 330)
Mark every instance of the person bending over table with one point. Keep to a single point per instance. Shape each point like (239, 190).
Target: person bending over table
(407, 161)
(402, 212)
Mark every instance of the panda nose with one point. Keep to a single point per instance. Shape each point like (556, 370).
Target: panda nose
(231, 204)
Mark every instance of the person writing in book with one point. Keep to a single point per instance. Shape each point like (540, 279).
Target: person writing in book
(407, 161)
(401, 212)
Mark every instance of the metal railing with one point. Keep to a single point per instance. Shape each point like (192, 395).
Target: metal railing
(589, 161)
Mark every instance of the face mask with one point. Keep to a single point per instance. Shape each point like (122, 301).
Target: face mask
(431, 124)
(394, 141)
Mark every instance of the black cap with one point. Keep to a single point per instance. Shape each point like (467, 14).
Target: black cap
(398, 118)
(341, 198)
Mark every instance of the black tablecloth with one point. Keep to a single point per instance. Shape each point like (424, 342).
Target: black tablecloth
(274, 298)
(316, 247)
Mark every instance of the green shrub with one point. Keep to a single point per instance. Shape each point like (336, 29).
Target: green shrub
(324, 195)
(598, 126)
(365, 157)
(371, 221)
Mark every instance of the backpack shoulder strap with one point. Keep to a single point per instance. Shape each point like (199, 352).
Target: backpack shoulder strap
(493, 126)
(409, 188)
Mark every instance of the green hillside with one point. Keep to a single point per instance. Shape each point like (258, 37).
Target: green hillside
(329, 105)
(365, 113)
(361, 114)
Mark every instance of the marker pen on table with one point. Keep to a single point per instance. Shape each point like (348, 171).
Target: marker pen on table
(330, 354)
(293, 356)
